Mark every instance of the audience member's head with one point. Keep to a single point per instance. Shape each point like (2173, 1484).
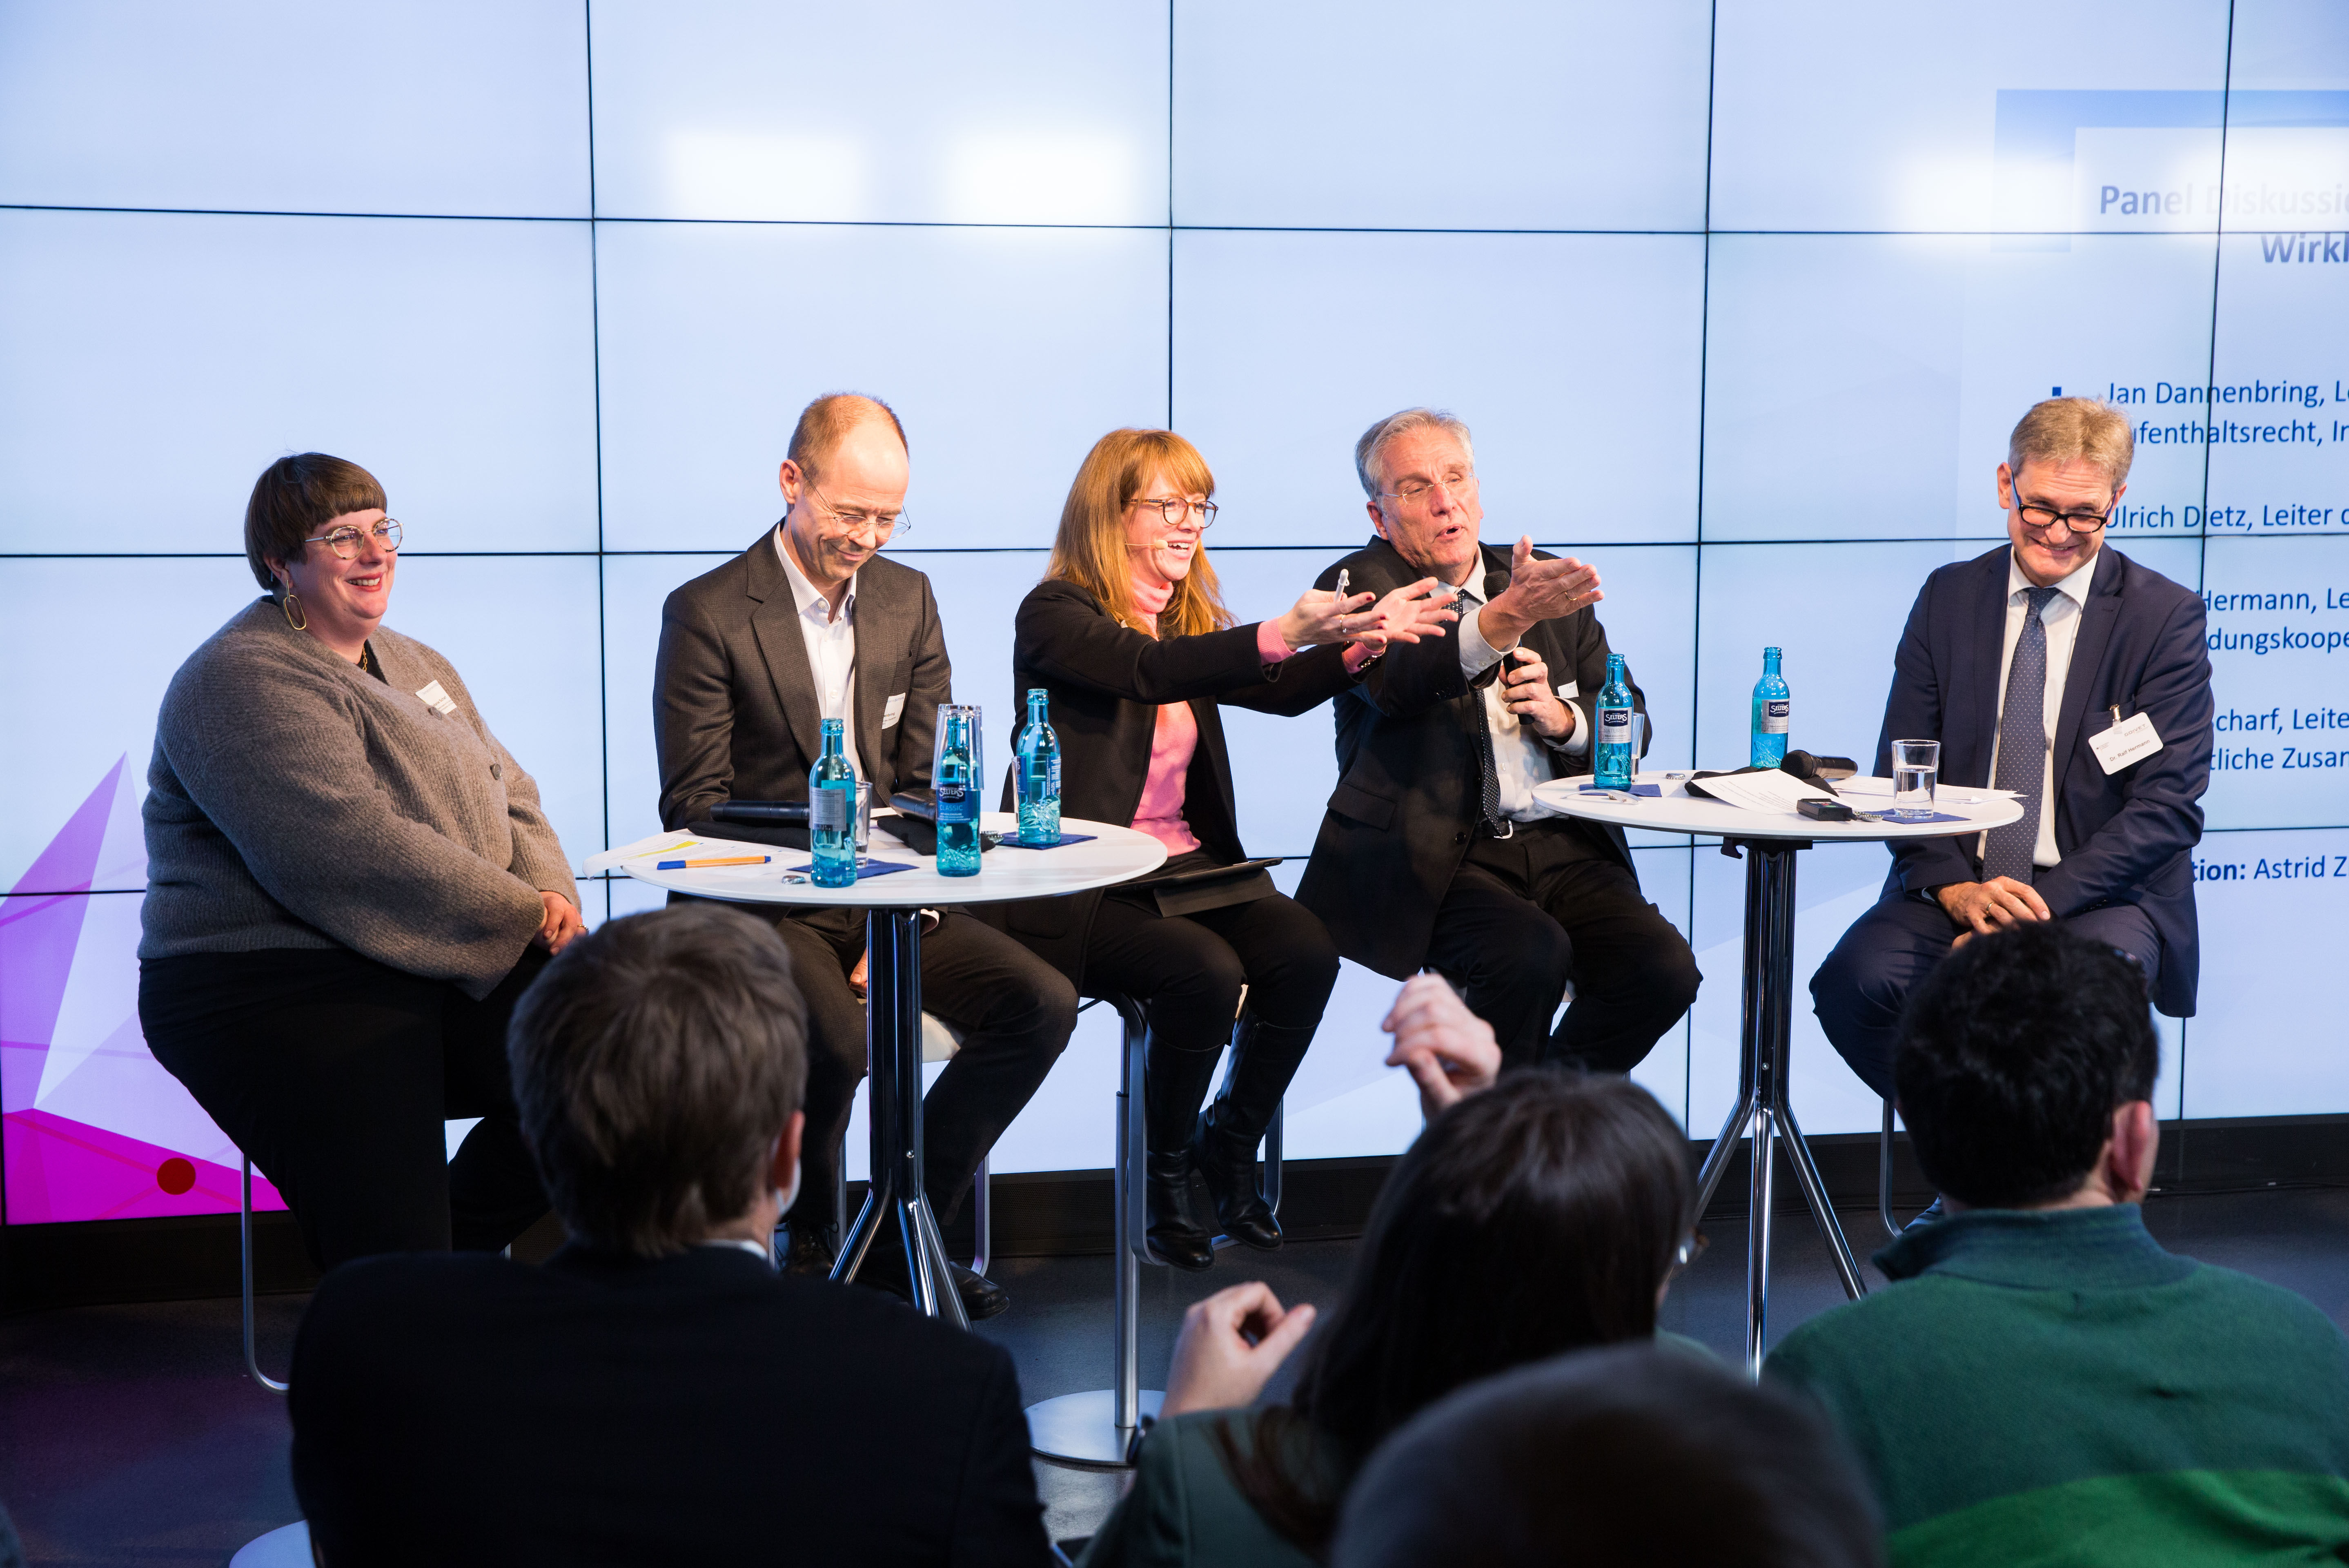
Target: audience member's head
(2026, 1071)
(1627, 1456)
(658, 1062)
(1543, 1215)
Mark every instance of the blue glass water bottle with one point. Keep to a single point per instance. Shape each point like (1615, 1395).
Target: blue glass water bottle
(1772, 710)
(1612, 759)
(1038, 776)
(954, 772)
(832, 813)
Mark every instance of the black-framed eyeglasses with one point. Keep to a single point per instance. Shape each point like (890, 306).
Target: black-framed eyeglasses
(345, 541)
(883, 526)
(2045, 517)
(1177, 510)
(1410, 492)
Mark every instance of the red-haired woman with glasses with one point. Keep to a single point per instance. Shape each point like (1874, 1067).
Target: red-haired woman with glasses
(1129, 635)
(349, 883)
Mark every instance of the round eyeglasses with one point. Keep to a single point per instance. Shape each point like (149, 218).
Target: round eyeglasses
(1179, 510)
(345, 541)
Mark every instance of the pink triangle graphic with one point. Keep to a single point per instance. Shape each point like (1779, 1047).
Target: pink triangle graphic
(40, 927)
(59, 1169)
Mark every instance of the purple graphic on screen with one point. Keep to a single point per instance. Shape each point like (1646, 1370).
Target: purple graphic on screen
(93, 1127)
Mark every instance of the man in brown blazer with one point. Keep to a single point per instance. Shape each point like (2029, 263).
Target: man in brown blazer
(812, 622)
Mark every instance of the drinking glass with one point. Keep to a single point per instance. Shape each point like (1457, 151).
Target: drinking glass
(1916, 764)
(864, 820)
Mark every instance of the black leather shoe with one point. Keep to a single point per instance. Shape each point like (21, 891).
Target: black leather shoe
(885, 1269)
(1931, 1214)
(1174, 1235)
(1230, 1171)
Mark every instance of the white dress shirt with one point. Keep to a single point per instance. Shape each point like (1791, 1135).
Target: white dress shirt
(1521, 758)
(831, 649)
(2062, 619)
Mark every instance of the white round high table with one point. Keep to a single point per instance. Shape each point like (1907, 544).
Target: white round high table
(1769, 841)
(893, 1011)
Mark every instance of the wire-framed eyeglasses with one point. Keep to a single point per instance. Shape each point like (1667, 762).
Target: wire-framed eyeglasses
(882, 525)
(1178, 510)
(345, 541)
(1412, 491)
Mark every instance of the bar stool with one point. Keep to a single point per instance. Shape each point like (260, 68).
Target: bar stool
(1095, 1428)
(1884, 1175)
(244, 1241)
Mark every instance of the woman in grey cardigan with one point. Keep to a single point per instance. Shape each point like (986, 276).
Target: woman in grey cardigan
(349, 883)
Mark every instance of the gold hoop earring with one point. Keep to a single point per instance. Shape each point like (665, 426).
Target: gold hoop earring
(292, 604)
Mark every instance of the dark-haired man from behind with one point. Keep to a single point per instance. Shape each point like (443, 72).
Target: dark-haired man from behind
(656, 1392)
(2043, 1382)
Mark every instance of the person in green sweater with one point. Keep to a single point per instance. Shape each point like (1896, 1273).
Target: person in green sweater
(2042, 1383)
(1541, 1215)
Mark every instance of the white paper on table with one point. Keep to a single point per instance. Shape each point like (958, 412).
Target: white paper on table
(1771, 790)
(609, 860)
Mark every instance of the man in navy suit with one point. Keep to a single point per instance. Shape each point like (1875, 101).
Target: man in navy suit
(2076, 678)
(657, 1391)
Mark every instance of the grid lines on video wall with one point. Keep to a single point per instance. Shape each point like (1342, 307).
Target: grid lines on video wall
(1740, 300)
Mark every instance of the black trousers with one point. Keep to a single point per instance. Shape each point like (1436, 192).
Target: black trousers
(1527, 913)
(1859, 991)
(335, 1072)
(1186, 970)
(1015, 1010)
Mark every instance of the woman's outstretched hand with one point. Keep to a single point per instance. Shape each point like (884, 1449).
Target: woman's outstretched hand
(1409, 613)
(1414, 611)
(1231, 1345)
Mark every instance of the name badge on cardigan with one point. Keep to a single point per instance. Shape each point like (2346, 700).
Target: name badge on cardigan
(432, 697)
(2131, 740)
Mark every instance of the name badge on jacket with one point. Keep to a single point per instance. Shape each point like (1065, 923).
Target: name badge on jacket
(893, 710)
(432, 697)
(2131, 740)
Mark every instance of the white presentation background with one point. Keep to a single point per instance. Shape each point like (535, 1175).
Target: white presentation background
(1741, 302)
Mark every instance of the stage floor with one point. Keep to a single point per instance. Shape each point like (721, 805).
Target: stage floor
(128, 1435)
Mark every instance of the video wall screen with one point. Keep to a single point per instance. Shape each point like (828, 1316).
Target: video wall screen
(562, 277)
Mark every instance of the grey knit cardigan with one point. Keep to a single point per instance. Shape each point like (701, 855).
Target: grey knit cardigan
(296, 801)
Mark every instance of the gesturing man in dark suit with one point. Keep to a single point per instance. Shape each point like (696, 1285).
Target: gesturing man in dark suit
(656, 1392)
(2067, 672)
(1433, 851)
(811, 623)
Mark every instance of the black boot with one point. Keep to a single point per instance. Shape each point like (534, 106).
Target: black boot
(1173, 1083)
(1264, 1058)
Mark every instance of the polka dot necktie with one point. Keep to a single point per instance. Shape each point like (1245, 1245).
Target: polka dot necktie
(2022, 746)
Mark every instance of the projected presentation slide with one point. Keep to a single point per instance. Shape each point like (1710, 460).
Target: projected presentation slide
(1740, 301)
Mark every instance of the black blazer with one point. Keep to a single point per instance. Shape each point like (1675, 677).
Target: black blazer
(734, 707)
(2126, 837)
(1408, 773)
(1107, 682)
(700, 1408)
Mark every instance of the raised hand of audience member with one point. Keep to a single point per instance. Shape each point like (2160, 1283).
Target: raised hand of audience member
(1230, 1345)
(1449, 1051)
